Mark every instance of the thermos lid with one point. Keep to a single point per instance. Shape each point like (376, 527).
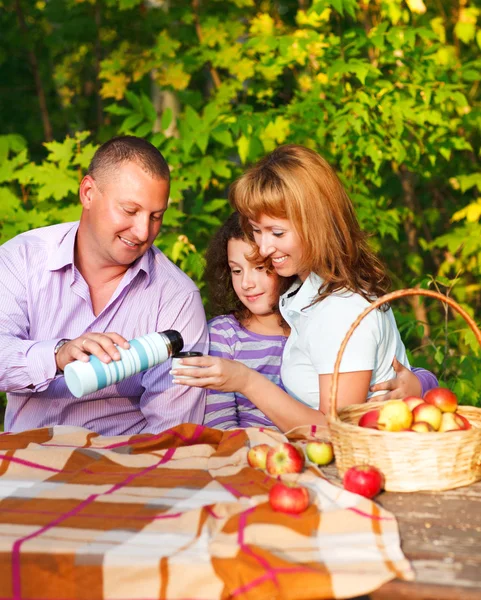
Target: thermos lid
(175, 340)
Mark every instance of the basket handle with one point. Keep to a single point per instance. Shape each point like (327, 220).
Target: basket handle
(382, 300)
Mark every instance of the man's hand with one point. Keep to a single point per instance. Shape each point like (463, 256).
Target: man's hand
(213, 373)
(403, 385)
(101, 345)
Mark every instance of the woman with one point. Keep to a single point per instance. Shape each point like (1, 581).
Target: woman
(301, 218)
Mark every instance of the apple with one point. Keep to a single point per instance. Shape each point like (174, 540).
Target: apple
(394, 416)
(284, 458)
(369, 419)
(413, 401)
(451, 422)
(466, 423)
(365, 480)
(320, 453)
(429, 414)
(288, 497)
(257, 456)
(443, 398)
(422, 427)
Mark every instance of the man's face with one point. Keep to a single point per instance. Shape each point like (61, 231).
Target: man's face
(122, 213)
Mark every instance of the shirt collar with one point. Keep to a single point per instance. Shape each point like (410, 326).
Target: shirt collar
(307, 293)
(63, 255)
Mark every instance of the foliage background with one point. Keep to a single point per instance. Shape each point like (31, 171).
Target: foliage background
(387, 90)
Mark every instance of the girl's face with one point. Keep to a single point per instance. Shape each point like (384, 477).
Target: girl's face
(256, 289)
(278, 239)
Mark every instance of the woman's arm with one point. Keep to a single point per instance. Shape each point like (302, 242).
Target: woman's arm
(283, 410)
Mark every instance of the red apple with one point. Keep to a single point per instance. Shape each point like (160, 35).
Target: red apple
(365, 480)
(284, 458)
(257, 456)
(422, 427)
(429, 414)
(320, 453)
(443, 398)
(451, 422)
(412, 402)
(288, 497)
(369, 419)
(466, 423)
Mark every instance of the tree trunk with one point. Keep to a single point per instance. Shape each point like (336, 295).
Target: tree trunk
(47, 128)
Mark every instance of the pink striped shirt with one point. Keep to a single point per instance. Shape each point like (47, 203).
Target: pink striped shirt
(44, 298)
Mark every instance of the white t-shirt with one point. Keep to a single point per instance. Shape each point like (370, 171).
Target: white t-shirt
(318, 331)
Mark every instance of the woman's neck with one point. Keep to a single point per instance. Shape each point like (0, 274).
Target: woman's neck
(265, 324)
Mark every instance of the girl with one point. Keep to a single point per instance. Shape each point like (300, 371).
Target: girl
(251, 330)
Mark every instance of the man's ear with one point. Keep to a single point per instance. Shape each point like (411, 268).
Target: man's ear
(86, 191)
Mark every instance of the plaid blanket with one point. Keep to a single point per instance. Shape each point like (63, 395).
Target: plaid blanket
(178, 515)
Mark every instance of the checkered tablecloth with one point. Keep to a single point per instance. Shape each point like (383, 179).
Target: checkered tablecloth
(178, 515)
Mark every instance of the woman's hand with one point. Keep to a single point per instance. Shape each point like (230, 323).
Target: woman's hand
(213, 373)
(403, 385)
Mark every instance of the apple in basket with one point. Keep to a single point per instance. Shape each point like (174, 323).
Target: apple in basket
(444, 399)
(364, 480)
(257, 456)
(422, 427)
(284, 458)
(369, 419)
(453, 422)
(394, 416)
(319, 452)
(413, 401)
(288, 497)
(428, 413)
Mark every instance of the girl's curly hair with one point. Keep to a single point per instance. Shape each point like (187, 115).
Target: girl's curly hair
(222, 298)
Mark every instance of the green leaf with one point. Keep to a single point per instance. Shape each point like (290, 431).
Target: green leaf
(130, 123)
(144, 129)
(149, 109)
(243, 148)
(166, 119)
(133, 100)
(223, 137)
(202, 140)
(115, 109)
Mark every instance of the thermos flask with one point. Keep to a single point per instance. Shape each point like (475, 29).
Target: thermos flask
(84, 378)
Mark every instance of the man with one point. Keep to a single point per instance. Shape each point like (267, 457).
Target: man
(75, 289)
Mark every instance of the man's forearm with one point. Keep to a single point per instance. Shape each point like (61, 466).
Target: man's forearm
(26, 364)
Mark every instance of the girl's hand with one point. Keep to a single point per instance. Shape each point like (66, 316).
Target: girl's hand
(403, 385)
(213, 373)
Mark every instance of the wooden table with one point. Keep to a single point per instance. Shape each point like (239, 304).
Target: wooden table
(441, 536)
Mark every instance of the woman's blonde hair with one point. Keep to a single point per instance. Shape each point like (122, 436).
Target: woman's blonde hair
(297, 184)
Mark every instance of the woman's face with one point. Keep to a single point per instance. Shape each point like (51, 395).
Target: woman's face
(256, 289)
(278, 240)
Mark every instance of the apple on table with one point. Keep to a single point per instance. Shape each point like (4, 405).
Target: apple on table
(320, 452)
(284, 458)
(288, 497)
(257, 456)
(365, 480)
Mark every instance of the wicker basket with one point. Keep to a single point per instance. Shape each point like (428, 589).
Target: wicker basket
(409, 461)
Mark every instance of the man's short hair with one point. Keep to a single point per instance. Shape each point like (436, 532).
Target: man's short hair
(128, 148)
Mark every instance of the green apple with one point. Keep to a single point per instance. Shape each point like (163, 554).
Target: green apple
(320, 453)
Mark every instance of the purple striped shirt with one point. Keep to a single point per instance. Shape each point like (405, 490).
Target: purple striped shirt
(263, 353)
(43, 298)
